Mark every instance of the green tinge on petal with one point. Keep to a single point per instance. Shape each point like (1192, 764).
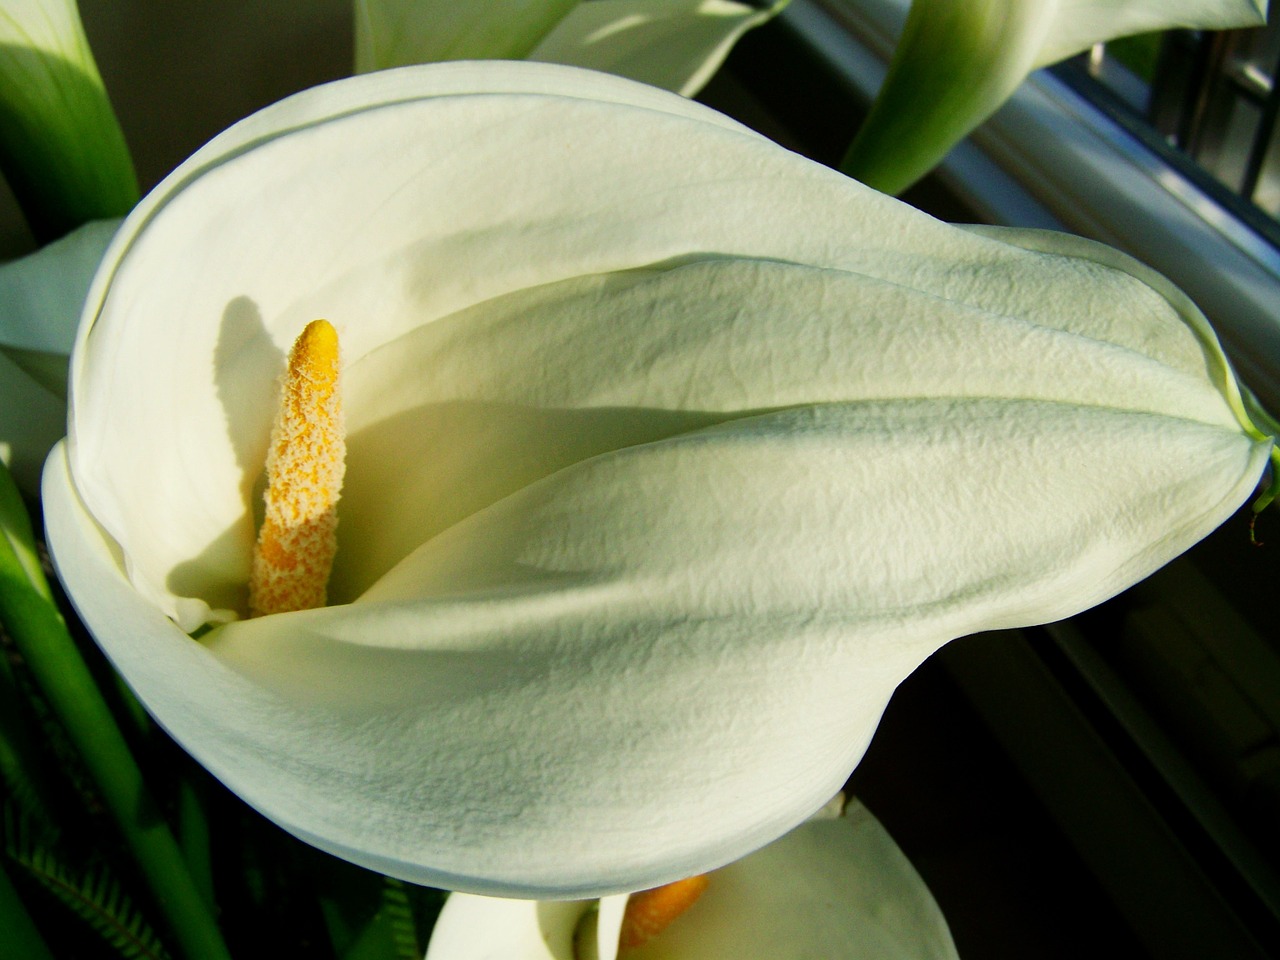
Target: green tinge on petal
(674, 44)
(61, 147)
(956, 63)
(396, 33)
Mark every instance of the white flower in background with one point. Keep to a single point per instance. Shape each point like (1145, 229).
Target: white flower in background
(673, 44)
(669, 454)
(833, 887)
(956, 63)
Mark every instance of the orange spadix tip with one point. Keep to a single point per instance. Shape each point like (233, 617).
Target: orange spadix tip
(298, 538)
(649, 912)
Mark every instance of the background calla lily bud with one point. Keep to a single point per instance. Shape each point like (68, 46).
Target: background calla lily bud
(61, 148)
(956, 63)
(837, 887)
(669, 454)
(673, 44)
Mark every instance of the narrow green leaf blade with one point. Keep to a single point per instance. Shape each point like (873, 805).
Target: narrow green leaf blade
(61, 147)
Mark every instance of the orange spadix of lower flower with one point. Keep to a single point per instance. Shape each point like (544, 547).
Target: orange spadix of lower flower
(298, 539)
(649, 912)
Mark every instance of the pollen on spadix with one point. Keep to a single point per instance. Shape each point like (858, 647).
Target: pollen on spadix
(298, 539)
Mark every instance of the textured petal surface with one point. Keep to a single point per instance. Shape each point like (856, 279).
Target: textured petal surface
(673, 44)
(829, 888)
(671, 454)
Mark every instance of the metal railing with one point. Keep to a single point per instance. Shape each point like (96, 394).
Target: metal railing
(1211, 96)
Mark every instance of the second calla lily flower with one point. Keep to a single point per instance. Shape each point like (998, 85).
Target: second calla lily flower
(670, 454)
(836, 886)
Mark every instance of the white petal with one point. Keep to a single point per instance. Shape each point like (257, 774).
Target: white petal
(454, 236)
(633, 636)
(673, 44)
(491, 928)
(672, 453)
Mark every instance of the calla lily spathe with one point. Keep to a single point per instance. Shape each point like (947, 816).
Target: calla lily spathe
(673, 44)
(61, 148)
(833, 887)
(956, 63)
(670, 453)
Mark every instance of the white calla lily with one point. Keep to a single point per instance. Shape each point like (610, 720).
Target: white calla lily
(670, 453)
(830, 888)
(61, 148)
(41, 297)
(956, 63)
(673, 44)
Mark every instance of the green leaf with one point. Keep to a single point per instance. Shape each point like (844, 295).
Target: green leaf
(93, 893)
(395, 33)
(22, 768)
(20, 933)
(30, 617)
(19, 559)
(61, 147)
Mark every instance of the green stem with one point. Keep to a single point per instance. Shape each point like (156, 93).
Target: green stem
(42, 638)
(193, 834)
(17, 930)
